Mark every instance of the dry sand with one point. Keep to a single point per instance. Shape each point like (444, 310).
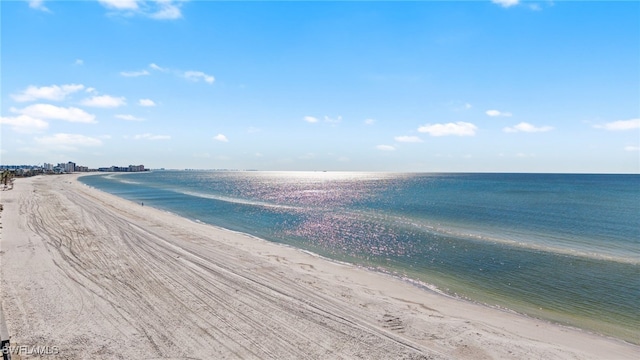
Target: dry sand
(99, 277)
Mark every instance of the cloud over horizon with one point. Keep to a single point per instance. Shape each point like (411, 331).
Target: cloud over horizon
(146, 102)
(52, 93)
(148, 136)
(157, 68)
(48, 111)
(134, 73)
(221, 137)
(408, 139)
(104, 101)
(128, 117)
(498, 113)
(25, 124)
(620, 125)
(526, 127)
(38, 5)
(67, 141)
(196, 76)
(385, 148)
(157, 9)
(506, 3)
(333, 121)
(459, 128)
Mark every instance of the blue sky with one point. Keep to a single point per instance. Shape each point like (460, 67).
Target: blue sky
(386, 86)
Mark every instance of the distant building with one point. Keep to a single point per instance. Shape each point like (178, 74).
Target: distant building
(65, 168)
(136, 168)
(130, 168)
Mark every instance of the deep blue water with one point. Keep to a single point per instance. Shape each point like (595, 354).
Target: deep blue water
(560, 247)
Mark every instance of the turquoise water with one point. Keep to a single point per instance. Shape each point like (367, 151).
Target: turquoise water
(564, 248)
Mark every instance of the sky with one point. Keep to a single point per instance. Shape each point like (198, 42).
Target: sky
(419, 86)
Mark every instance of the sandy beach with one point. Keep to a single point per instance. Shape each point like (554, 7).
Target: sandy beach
(99, 277)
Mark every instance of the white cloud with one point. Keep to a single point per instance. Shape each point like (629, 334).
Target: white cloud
(157, 68)
(146, 102)
(134, 73)
(167, 11)
(90, 90)
(120, 4)
(343, 159)
(497, 113)
(156, 9)
(221, 137)
(48, 111)
(332, 120)
(79, 62)
(326, 119)
(535, 7)
(104, 101)
(198, 75)
(385, 147)
(369, 122)
(128, 117)
(526, 127)
(459, 128)
(191, 75)
(24, 124)
(259, 154)
(53, 92)
(68, 141)
(632, 148)
(253, 130)
(408, 139)
(148, 136)
(620, 125)
(38, 5)
(506, 3)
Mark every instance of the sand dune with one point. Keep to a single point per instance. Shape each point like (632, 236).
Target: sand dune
(97, 276)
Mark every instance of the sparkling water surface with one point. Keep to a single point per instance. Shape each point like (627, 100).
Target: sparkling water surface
(560, 247)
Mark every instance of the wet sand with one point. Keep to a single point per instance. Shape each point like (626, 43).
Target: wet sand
(96, 276)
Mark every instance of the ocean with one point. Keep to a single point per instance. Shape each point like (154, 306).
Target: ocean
(559, 247)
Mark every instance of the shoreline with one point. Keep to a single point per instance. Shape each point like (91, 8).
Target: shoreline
(121, 262)
(565, 313)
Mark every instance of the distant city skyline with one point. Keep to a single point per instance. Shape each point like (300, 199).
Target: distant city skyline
(70, 167)
(477, 86)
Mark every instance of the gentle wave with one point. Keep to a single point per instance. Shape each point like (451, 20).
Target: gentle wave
(438, 229)
(118, 178)
(237, 200)
(432, 228)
